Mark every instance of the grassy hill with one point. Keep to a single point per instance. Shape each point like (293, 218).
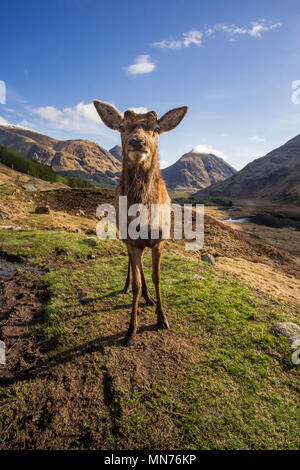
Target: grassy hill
(218, 379)
(19, 162)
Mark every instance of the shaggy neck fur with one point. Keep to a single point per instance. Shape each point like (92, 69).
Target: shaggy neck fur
(140, 182)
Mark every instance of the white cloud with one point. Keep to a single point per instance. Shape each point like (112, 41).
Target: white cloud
(164, 164)
(142, 65)
(193, 37)
(168, 44)
(81, 118)
(257, 138)
(139, 110)
(255, 29)
(3, 122)
(24, 124)
(203, 148)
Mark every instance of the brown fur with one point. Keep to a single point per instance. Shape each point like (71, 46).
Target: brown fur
(141, 182)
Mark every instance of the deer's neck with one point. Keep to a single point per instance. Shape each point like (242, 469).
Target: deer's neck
(141, 183)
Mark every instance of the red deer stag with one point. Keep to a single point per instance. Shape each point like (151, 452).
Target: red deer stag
(142, 183)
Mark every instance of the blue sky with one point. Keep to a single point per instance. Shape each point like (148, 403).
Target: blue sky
(233, 63)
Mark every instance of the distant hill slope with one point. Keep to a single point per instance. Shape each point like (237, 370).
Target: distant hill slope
(23, 164)
(16, 179)
(116, 151)
(81, 158)
(273, 178)
(196, 170)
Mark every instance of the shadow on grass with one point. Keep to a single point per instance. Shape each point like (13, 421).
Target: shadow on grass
(42, 367)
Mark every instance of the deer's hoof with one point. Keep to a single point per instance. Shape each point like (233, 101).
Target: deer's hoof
(163, 324)
(150, 301)
(128, 341)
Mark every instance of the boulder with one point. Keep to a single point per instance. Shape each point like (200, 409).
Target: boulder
(288, 329)
(42, 210)
(209, 259)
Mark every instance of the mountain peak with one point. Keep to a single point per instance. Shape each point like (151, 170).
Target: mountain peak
(196, 170)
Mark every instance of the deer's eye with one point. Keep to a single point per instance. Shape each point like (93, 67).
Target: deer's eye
(157, 129)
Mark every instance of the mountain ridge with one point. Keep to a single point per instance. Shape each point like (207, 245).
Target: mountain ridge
(196, 170)
(74, 155)
(274, 177)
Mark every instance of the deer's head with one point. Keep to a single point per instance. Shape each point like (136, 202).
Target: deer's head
(139, 132)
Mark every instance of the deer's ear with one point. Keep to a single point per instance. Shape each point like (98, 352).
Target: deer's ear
(171, 119)
(109, 115)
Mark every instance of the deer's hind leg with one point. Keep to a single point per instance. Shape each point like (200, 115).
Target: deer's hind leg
(145, 292)
(162, 321)
(128, 279)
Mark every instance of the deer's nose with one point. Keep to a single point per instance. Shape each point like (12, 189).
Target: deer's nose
(136, 143)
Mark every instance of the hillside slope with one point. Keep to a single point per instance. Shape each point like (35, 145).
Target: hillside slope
(218, 379)
(274, 177)
(76, 156)
(15, 179)
(196, 170)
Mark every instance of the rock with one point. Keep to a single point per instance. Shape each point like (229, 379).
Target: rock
(92, 257)
(9, 227)
(42, 210)
(288, 329)
(209, 259)
(197, 276)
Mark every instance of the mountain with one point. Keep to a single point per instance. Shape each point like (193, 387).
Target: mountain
(81, 158)
(196, 170)
(24, 164)
(116, 151)
(272, 178)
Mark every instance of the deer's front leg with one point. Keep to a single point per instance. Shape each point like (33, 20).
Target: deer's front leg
(135, 258)
(162, 321)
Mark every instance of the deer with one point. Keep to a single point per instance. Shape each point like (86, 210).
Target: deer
(141, 181)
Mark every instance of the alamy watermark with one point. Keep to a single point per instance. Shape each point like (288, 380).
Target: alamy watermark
(2, 92)
(296, 94)
(296, 354)
(135, 222)
(2, 353)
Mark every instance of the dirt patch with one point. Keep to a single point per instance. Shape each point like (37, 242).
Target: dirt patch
(20, 308)
(76, 200)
